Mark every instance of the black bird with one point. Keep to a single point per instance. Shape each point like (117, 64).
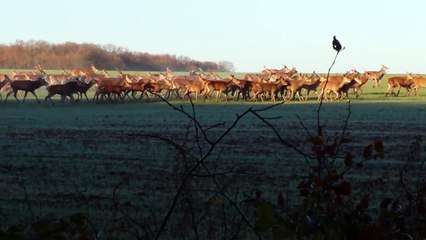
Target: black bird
(336, 44)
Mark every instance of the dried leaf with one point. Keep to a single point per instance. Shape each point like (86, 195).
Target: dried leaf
(303, 188)
(302, 184)
(303, 192)
(348, 159)
(258, 194)
(214, 201)
(378, 146)
(334, 175)
(331, 149)
(320, 182)
(365, 200)
(409, 196)
(344, 188)
(368, 151)
(385, 202)
(281, 200)
(316, 140)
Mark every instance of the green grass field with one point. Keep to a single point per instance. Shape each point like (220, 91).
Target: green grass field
(68, 158)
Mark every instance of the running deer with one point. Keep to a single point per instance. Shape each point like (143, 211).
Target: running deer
(26, 86)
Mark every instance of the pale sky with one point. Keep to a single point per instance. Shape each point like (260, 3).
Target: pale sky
(250, 34)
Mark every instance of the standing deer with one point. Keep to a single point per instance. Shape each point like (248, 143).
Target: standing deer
(376, 76)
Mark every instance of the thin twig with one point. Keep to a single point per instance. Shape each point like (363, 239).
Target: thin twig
(303, 125)
(197, 140)
(342, 135)
(322, 95)
(234, 204)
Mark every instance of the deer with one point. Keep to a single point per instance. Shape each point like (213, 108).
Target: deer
(311, 84)
(355, 85)
(26, 86)
(65, 90)
(271, 88)
(240, 87)
(333, 84)
(400, 81)
(294, 86)
(82, 88)
(418, 82)
(112, 88)
(220, 86)
(6, 80)
(376, 76)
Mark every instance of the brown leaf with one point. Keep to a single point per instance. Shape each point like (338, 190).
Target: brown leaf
(302, 184)
(385, 202)
(214, 201)
(409, 196)
(331, 149)
(258, 194)
(316, 140)
(368, 151)
(303, 188)
(365, 200)
(319, 181)
(334, 175)
(348, 159)
(303, 192)
(344, 188)
(281, 200)
(378, 146)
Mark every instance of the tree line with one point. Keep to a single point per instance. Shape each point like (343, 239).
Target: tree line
(69, 55)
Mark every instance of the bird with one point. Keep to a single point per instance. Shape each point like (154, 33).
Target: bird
(336, 44)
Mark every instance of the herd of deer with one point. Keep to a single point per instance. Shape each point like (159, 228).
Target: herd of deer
(269, 84)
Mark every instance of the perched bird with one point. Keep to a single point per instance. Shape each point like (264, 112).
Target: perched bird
(336, 44)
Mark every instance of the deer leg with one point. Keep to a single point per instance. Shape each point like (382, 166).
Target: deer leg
(134, 95)
(8, 94)
(71, 98)
(399, 89)
(25, 96)
(85, 96)
(219, 94)
(299, 96)
(141, 96)
(338, 95)
(14, 94)
(176, 92)
(388, 90)
(34, 96)
(254, 97)
(273, 96)
(47, 97)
